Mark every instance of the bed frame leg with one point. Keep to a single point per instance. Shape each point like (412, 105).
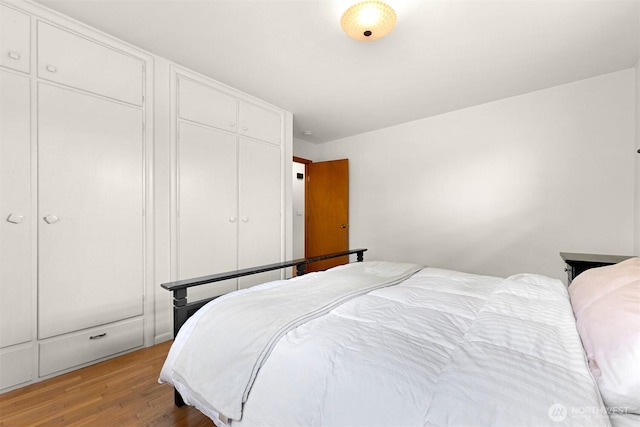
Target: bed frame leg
(177, 399)
(301, 269)
(180, 312)
(179, 317)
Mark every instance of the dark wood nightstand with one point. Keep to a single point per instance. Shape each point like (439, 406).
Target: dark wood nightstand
(577, 263)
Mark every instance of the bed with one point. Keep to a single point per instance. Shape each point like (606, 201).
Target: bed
(398, 344)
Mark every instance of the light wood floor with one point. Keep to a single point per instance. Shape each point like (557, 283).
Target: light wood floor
(119, 392)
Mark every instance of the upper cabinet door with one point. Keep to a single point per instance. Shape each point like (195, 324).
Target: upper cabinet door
(75, 61)
(14, 39)
(206, 105)
(260, 123)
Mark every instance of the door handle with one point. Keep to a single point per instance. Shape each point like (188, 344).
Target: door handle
(51, 219)
(15, 218)
(344, 226)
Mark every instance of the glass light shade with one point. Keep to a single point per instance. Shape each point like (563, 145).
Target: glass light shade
(368, 20)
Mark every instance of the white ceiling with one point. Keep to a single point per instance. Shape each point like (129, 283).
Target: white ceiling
(443, 55)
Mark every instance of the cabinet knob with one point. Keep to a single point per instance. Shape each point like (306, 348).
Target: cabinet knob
(344, 226)
(232, 124)
(245, 219)
(232, 219)
(13, 55)
(245, 128)
(51, 219)
(15, 218)
(51, 69)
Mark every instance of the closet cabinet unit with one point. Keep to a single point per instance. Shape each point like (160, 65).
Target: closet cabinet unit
(230, 184)
(90, 199)
(72, 201)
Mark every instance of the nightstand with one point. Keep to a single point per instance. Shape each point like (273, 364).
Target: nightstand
(577, 263)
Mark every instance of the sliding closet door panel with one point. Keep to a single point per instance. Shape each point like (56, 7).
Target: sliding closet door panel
(15, 210)
(90, 250)
(207, 207)
(260, 208)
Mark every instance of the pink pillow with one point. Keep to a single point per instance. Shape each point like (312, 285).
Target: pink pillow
(606, 304)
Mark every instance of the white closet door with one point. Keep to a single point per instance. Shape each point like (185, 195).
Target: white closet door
(75, 61)
(90, 249)
(206, 105)
(15, 210)
(14, 39)
(260, 209)
(261, 123)
(207, 207)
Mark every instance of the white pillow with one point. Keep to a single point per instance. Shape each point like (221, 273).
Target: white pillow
(606, 304)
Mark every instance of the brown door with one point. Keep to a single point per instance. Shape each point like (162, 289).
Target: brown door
(327, 212)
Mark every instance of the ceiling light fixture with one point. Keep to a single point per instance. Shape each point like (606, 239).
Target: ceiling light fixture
(368, 20)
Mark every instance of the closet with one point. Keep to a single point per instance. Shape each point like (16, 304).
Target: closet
(119, 171)
(230, 183)
(72, 174)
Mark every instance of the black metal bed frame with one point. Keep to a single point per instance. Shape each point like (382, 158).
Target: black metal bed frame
(182, 309)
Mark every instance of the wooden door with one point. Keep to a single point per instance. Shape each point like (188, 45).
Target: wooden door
(90, 222)
(327, 212)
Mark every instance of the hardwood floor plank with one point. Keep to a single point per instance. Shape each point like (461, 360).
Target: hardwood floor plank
(123, 391)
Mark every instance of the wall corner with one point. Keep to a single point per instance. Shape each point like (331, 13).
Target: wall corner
(636, 211)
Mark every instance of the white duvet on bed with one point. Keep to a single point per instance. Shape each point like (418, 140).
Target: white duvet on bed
(441, 348)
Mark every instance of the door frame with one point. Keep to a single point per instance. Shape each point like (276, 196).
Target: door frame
(306, 163)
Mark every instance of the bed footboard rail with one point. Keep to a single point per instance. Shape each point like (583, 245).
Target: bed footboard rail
(182, 309)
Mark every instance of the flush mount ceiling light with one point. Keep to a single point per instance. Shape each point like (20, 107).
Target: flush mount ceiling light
(368, 20)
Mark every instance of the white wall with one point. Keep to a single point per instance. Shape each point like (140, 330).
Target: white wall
(502, 187)
(298, 210)
(637, 156)
(304, 149)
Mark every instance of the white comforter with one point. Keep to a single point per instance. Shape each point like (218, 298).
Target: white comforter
(441, 348)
